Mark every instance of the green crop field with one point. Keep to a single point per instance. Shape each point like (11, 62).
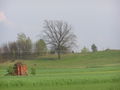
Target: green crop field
(90, 71)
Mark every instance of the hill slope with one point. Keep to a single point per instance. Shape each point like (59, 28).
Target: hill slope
(102, 58)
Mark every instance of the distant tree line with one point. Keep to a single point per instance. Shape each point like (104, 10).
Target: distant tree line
(22, 48)
(86, 50)
(57, 34)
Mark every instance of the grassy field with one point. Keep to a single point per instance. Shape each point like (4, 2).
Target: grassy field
(91, 71)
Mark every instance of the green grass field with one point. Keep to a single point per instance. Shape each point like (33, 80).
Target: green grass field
(91, 71)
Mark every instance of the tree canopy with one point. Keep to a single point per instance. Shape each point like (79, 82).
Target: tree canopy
(59, 34)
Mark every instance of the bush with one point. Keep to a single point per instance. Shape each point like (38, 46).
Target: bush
(10, 70)
(33, 71)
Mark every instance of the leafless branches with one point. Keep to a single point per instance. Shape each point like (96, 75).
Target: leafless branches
(59, 34)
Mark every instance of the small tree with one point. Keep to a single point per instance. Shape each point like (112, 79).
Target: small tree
(40, 47)
(28, 46)
(6, 52)
(94, 48)
(0, 54)
(13, 50)
(85, 50)
(24, 45)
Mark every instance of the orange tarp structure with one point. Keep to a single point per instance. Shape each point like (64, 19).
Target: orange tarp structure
(20, 69)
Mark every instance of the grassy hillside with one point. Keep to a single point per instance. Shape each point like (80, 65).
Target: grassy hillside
(102, 58)
(91, 71)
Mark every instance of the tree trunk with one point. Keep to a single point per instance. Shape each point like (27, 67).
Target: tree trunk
(59, 55)
(59, 52)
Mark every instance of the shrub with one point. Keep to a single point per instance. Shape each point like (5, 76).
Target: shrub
(33, 71)
(10, 70)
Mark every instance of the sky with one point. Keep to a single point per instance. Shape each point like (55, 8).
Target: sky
(92, 21)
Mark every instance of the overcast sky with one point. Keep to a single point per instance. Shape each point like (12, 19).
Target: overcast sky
(93, 21)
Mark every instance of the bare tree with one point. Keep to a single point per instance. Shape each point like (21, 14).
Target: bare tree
(0, 53)
(13, 49)
(59, 34)
(5, 52)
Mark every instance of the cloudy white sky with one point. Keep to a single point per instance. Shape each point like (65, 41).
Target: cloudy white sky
(93, 21)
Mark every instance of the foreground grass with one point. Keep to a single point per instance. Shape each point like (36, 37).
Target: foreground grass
(102, 78)
(105, 86)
